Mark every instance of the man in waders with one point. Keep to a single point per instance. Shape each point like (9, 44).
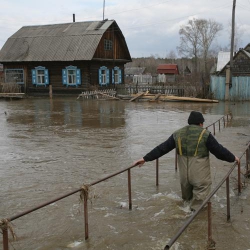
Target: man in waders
(193, 144)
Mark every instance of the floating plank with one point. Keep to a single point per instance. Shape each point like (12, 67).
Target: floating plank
(190, 99)
(138, 96)
(12, 95)
(109, 96)
(155, 98)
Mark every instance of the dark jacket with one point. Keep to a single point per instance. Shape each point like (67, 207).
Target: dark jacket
(212, 144)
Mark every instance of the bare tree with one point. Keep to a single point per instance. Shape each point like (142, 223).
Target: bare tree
(208, 30)
(189, 41)
(196, 38)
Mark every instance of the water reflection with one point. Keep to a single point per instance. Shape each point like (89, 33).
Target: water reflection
(49, 147)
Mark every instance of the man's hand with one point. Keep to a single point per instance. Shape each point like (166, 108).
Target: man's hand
(139, 162)
(237, 160)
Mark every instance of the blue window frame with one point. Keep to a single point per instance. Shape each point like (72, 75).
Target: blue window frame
(71, 76)
(103, 76)
(40, 76)
(116, 75)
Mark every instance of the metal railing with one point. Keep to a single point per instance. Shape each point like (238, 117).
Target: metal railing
(5, 223)
(211, 242)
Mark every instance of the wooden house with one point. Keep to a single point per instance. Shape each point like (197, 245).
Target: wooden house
(169, 70)
(71, 57)
(241, 63)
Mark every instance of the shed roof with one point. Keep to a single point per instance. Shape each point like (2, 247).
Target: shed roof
(223, 59)
(57, 42)
(134, 70)
(168, 69)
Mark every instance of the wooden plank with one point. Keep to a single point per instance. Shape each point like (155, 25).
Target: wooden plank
(155, 98)
(109, 96)
(192, 99)
(138, 96)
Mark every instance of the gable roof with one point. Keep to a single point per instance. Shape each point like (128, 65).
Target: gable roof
(241, 50)
(223, 59)
(168, 69)
(134, 70)
(57, 42)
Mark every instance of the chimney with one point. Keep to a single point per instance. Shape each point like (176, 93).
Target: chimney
(74, 18)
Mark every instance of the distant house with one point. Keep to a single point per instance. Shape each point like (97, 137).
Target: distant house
(134, 74)
(241, 63)
(187, 71)
(134, 71)
(169, 70)
(71, 56)
(239, 87)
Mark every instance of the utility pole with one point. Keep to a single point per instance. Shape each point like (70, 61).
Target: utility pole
(103, 9)
(229, 70)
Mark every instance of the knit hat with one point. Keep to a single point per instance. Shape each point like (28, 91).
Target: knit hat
(195, 118)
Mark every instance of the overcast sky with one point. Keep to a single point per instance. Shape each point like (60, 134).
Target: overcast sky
(149, 27)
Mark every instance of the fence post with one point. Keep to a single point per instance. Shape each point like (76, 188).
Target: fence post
(176, 160)
(228, 199)
(85, 199)
(129, 189)
(157, 172)
(247, 158)
(5, 239)
(239, 181)
(211, 242)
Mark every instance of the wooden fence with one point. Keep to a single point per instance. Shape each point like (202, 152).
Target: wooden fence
(128, 89)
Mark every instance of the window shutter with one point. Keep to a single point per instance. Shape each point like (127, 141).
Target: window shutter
(46, 76)
(64, 77)
(113, 77)
(107, 76)
(78, 77)
(33, 71)
(120, 75)
(100, 76)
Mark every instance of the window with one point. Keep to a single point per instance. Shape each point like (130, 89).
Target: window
(108, 44)
(116, 75)
(103, 76)
(14, 76)
(71, 76)
(40, 76)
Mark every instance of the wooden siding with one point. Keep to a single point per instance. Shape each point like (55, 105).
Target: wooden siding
(89, 75)
(119, 50)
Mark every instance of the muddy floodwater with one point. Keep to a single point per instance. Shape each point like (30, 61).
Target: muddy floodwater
(51, 147)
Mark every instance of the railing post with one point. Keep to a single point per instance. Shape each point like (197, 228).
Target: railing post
(176, 160)
(228, 199)
(157, 172)
(214, 127)
(5, 239)
(211, 242)
(219, 125)
(247, 159)
(86, 221)
(224, 122)
(239, 180)
(129, 189)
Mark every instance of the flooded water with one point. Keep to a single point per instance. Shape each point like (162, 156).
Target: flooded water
(51, 147)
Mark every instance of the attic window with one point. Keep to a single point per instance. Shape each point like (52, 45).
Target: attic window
(108, 44)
